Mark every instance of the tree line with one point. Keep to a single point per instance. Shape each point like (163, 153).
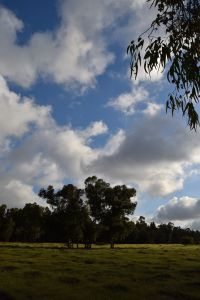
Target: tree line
(98, 213)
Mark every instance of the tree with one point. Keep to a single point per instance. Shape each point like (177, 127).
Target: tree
(69, 210)
(49, 195)
(109, 207)
(118, 207)
(28, 222)
(177, 50)
(6, 224)
(95, 192)
(142, 231)
(71, 203)
(3, 209)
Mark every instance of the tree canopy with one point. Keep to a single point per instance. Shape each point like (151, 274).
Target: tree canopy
(99, 213)
(172, 43)
(34, 223)
(109, 207)
(103, 211)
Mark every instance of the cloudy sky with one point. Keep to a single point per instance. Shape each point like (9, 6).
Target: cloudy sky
(68, 108)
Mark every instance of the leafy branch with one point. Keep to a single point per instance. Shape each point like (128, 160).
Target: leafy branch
(178, 52)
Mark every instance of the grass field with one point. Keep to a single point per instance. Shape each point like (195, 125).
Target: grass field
(49, 271)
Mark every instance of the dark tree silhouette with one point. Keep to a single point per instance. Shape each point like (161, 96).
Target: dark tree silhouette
(119, 206)
(100, 217)
(110, 207)
(6, 224)
(69, 211)
(173, 43)
(29, 222)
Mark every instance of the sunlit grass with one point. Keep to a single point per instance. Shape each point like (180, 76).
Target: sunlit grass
(50, 271)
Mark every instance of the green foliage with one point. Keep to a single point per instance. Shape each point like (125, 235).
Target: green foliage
(95, 190)
(109, 207)
(187, 240)
(28, 222)
(98, 213)
(6, 224)
(69, 211)
(176, 49)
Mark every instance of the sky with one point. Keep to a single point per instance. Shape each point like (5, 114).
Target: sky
(69, 109)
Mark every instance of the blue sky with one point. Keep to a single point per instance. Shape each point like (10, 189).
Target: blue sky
(69, 108)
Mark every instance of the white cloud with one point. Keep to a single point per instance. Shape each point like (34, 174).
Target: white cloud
(94, 129)
(184, 211)
(126, 102)
(12, 56)
(114, 143)
(34, 151)
(155, 76)
(152, 109)
(155, 156)
(18, 193)
(68, 56)
(11, 23)
(49, 155)
(195, 225)
(18, 113)
(45, 153)
(75, 53)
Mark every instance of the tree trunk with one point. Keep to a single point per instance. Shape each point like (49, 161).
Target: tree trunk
(70, 244)
(112, 245)
(88, 246)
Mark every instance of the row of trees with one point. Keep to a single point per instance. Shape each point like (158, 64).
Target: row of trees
(97, 214)
(74, 215)
(141, 232)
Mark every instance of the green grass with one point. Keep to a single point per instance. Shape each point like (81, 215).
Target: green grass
(50, 271)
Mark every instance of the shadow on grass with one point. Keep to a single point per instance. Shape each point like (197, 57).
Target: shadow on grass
(32, 274)
(69, 280)
(5, 296)
(89, 262)
(116, 288)
(8, 269)
(171, 295)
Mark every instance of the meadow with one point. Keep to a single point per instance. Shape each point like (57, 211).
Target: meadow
(50, 271)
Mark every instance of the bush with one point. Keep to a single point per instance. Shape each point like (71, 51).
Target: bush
(187, 240)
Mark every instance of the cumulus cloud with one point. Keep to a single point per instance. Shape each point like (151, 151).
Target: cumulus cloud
(94, 129)
(18, 113)
(155, 155)
(35, 151)
(126, 102)
(179, 209)
(73, 54)
(113, 143)
(18, 193)
(183, 211)
(195, 225)
(152, 109)
(51, 155)
(12, 56)
(67, 56)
